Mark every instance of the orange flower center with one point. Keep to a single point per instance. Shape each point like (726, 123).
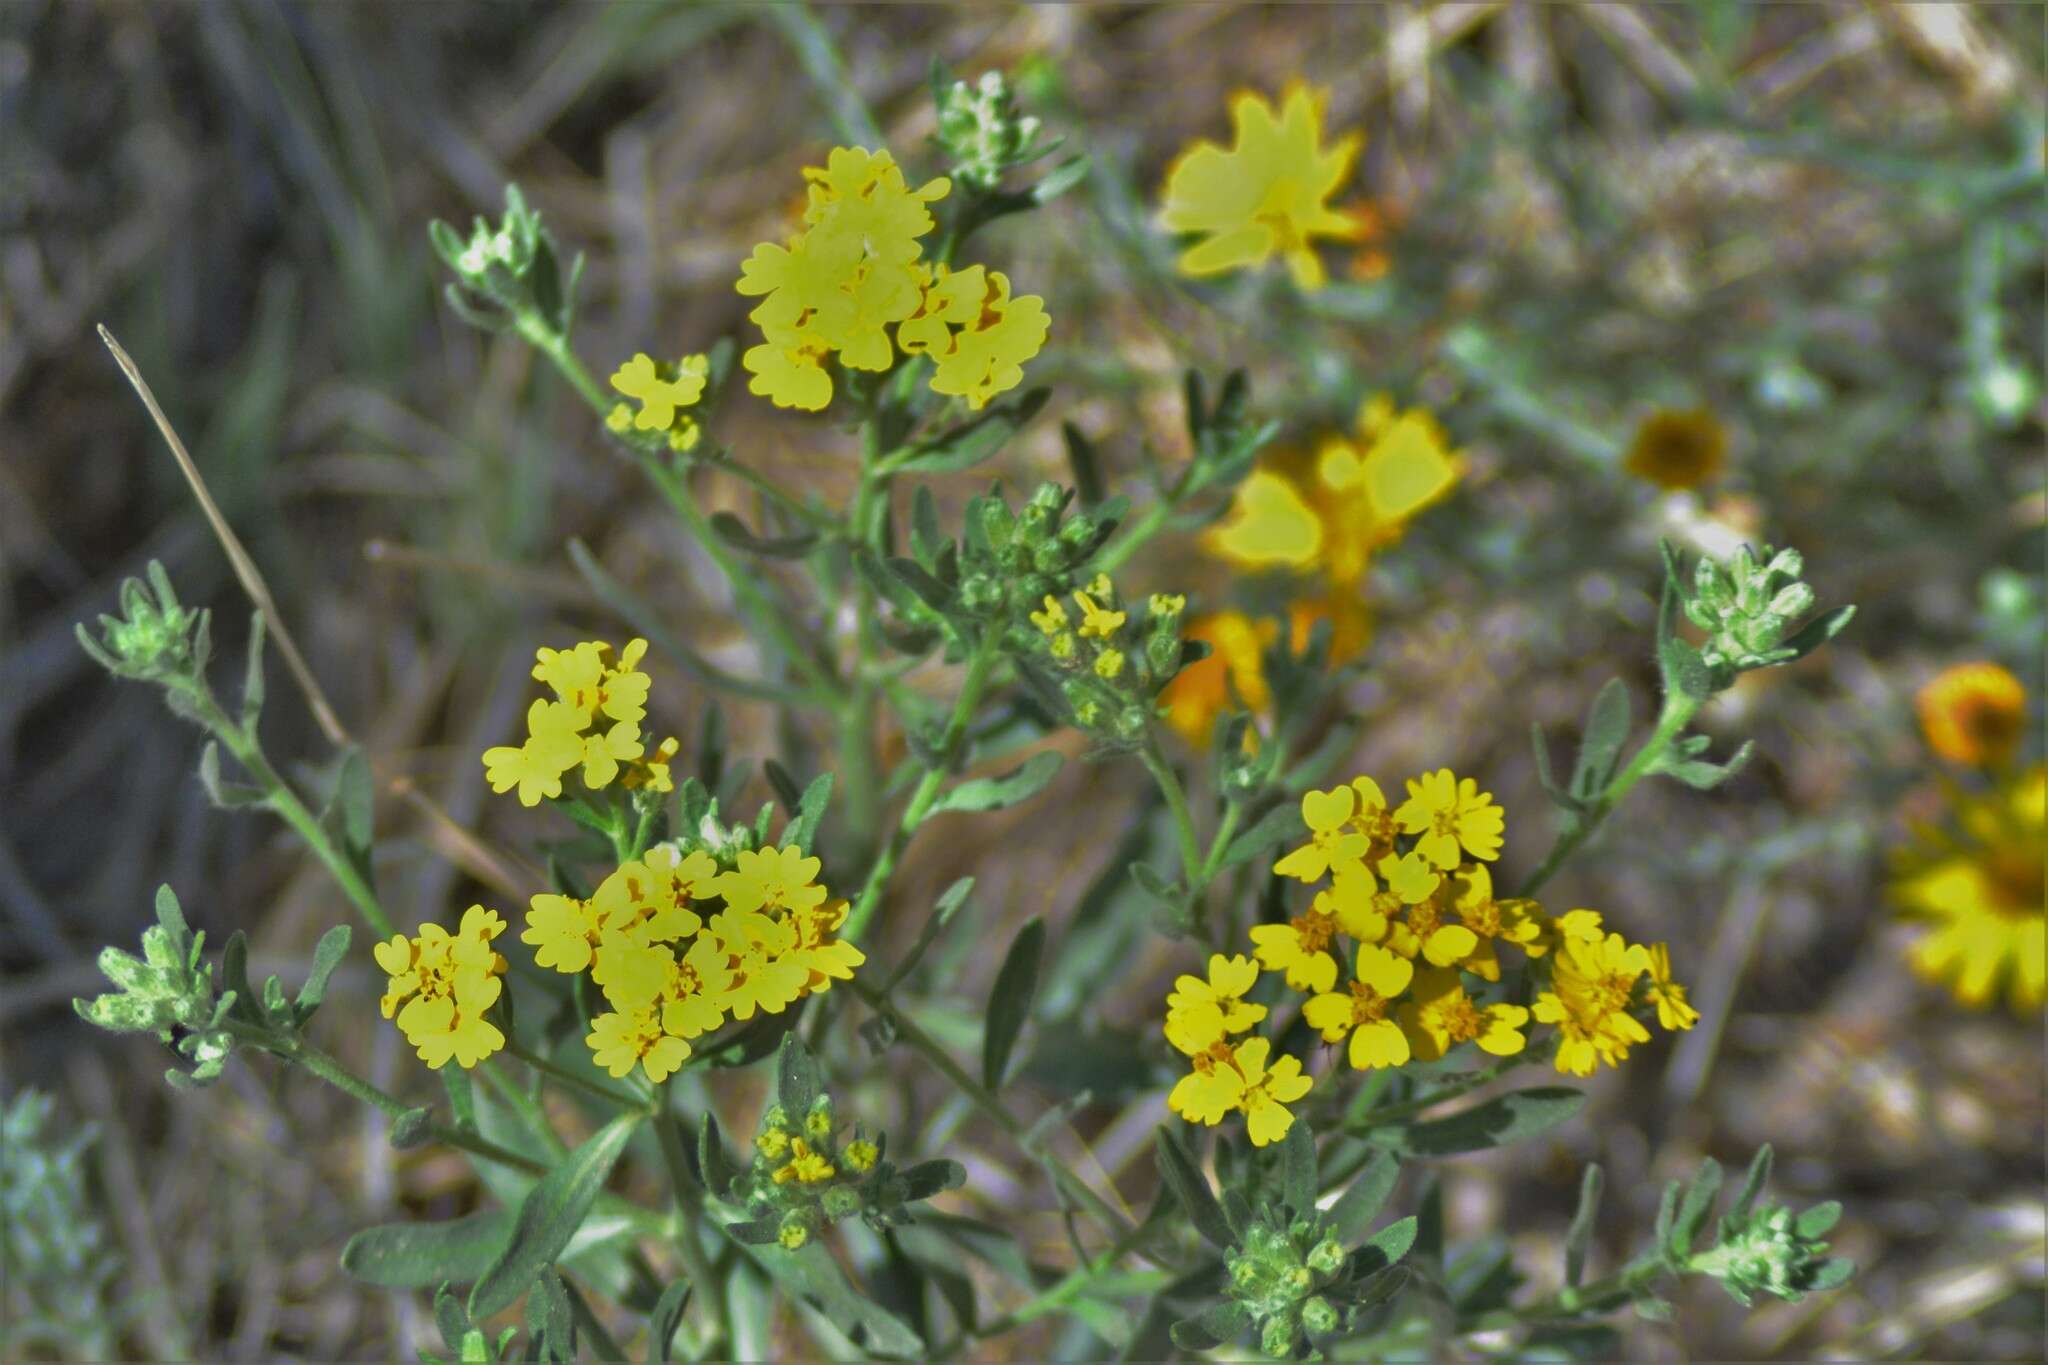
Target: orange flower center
(2019, 881)
(1313, 930)
(1368, 1006)
(1460, 1019)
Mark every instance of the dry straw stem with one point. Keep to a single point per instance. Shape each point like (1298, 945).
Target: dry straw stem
(484, 863)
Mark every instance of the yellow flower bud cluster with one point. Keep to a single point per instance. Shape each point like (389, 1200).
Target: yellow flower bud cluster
(666, 393)
(854, 272)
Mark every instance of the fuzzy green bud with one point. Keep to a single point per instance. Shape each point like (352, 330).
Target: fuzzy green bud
(796, 1229)
(981, 594)
(1318, 1316)
(1276, 1338)
(154, 638)
(1050, 557)
(1326, 1256)
(982, 132)
(818, 1123)
(840, 1201)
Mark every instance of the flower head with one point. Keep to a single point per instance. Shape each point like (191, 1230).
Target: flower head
(1592, 984)
(1977, 884)
(1362, 1009)
(1973, 713)
(662, 395)
(446, 983)
(1269, 193)
(1673, 1011)
(1200, 1011)
(619, 1042)
(1442, 1015)
(1678, 449)
(1451, 814)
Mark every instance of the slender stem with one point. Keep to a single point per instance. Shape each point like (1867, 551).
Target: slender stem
(990, 1106)
(1053, 1299)
(689, 1213)
(555, 347)
(1676, 714)
(979, 665)
(1191, 857)
(603, 1345)
(1146, 525)
(618, 1099)
(1601, 1296)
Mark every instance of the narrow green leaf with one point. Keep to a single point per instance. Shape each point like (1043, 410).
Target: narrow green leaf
(1816, 1221)
(783, 785)
(1513, 1117)
(412, 1128)
(549, 1321)
(1085, 464)
(737, 534)
(813, 1274)
(1394, 1240)
(1018, 785)
(422, 1255)
(1684, 671)
(549, 1216)
(449, 1317)
(975, 440)
(1010, 1003)
(948, 905)
(1667, 1213)
(1060, 179)
(1363, 1199)
(1298, 1169)
(327, 955)
(1276, 826)
(796, 1078)
(936, 1176)
(1607, 726)
(252, 673)
(352, 798)
(666, 1317)
(461, 1097)
(929, 590)
(1237, 1212)
(1819, 631)
(1579, 1237)
(713, 1164)
(1191, 1188)
(1753, 1182)
(1217, 1325)
(1832, 1273)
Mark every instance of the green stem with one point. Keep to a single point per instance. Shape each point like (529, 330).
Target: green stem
(1677, 713)
(690, 1213)
(990, 1106)
(618, 1099)
(1058, 1296)
(1146, 525)
(1601, 1296)
(979, 664)
(1191, 857)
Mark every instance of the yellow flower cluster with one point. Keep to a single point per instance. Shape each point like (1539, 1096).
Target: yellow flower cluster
(1409, 886)
(673, 966)
(854, 272)
(446, 983)
(665, 394)
(1267, 194)
(592, 722)
(1973, 713)
(1320, 514)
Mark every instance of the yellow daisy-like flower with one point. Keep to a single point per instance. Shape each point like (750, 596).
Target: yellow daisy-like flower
(650, 899)
(1267, 194)
(552, 747)
(1441, 1015)
(862, 196)
(1300, 948)
(619, 1042)
(651, 770)
(661, 396)
(445, 983)
(764, 974)
(1361, 1010)
(580, 678)
(563, 931)
(1333, 840)
(1592, 982)
(1980, 890)
(1491, 920)
(1678, 448)
(790, 373)
(1673, 1012)
(825, 957)
(631, 973)
(1550, 932)
(1973, 713)
(1268, 1091)
(1449, 814)
(1423, 932)
(697, 983)
(1199, 1012)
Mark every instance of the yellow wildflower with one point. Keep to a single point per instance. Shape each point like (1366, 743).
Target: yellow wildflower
(1334, 842)
(1200, 1011)
(580, 678)
(563, 931)
(651, 770)
(987, 357)
(1271, 524)
(861, 1155)
(1973, 713)
(1423, 933)
(1980, 889)
(805, 1166)
(1235, 664)
(862, 196)
(1490, 919)
(697, 983)
(1678, 448)
(764, 975)
(1441, 1015)
(818, 952)
(631, 972)
(774, 878)
(1592, 982)
(1449, 813)
(1300, 948)
(551, 748)
(1361, 1010)
(1211, 1089)
(1053, 619)
(1268, 1091)
(446, 982)
(1268, 193)
(660, 397)
(790, 373)
(1109, 663)
(1673, 1012)
(1097, 622)
(619, 1042)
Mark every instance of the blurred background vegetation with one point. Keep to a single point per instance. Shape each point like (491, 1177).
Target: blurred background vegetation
(1821, 222)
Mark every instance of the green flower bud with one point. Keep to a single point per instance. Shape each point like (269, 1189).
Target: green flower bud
(840, 1201)
(154, 638)
(796, 1229)
(981, 595)
(1050, 557)
(1318, 1316)
(981, 131)
(818, 1123)
(1276, 1338)
(1326, 1256)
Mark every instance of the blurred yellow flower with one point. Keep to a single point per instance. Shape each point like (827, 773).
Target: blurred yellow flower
(1973, 713)
(986, 357)
(1269, 193)
(1980, 888)
(552, 747)
(1678, 448)
(662, 396)
(804, 1166)
(1674, 1014)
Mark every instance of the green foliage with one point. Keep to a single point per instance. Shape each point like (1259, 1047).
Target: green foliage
(508, 274)
(59, 1269)
(168, 991)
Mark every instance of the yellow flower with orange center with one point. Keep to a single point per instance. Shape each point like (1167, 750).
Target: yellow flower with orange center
(1973, 713)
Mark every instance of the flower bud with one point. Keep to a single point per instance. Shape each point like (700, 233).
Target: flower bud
(1326, 1256)
(1318, 1316)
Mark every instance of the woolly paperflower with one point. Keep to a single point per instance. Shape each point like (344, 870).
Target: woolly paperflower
(1268, 1091)
(1235, 665)
(535, 767)
(446, 982)
(987, 357)
(1450, 813)
(1300, 948)
(1673, 1011)
(1332, 840)
(1212, 1088)
(1269, 193)
(660, 397)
